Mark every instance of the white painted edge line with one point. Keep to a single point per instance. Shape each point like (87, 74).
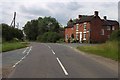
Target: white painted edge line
(22, 58)
(63, 68)
(52, 51)
(25, 50)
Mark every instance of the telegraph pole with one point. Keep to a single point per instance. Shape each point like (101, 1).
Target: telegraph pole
(13, 21)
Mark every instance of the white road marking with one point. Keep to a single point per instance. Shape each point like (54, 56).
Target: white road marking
(17, 63)
(25, 50)
(22, 58)
(29, 50)
(49, 47)
(66, 73)
(52, 51)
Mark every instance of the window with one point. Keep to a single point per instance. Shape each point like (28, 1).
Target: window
(102, 31)
(85, 25)
(66, 36)
(84, 36)
(77, 36)
(113, 28)
(72, 28)
(108, 27)
(77, 25)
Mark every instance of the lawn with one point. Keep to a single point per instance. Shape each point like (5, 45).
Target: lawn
(108, 49)
(7, 46)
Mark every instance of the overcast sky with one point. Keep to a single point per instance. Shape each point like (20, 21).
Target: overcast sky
(62, 10)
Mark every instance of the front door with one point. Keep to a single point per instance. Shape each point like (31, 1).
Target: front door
(80, 37)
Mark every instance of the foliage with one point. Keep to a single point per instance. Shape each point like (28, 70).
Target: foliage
(9, 33)
(7, 46)
(115, 35)
(34, 29)
(108, 49)
(49, 37)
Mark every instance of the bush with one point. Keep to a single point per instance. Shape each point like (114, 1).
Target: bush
(49, 37)
(61, 40)
(115, 35)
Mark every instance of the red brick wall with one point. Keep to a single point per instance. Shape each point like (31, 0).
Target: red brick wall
(69, 32)
(96, 26)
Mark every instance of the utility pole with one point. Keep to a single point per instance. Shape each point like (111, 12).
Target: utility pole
(13, 21)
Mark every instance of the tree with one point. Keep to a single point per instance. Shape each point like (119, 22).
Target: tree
(36, 28)
(8, 33)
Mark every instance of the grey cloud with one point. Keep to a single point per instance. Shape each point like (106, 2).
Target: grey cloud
(119, 12)
(34, 11)
(73, 6)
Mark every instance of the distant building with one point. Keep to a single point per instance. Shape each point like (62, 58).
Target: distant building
(90, 29)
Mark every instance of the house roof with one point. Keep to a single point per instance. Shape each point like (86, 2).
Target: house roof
(84, 18)
(109, 22)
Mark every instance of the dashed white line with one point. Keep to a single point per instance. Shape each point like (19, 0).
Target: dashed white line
(23, 57)
(52, 51)
(29, 50)
(25, 50)
(49, 47)
(63, 68)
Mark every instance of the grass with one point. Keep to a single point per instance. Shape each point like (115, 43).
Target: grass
(108, 49)
(7, 46)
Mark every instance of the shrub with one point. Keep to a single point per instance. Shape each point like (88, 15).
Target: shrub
(115, 35)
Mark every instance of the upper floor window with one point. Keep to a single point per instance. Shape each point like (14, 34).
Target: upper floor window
(113, 27)
(85, 25)
(108, 27)
(77, 25)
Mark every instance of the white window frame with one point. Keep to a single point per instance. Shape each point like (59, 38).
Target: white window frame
(77, 36)
(77, 26)
(84, 36)
(85, 26)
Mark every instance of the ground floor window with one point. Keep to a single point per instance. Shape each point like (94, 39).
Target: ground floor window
(66, 36)
(77, 36)
(84, 36)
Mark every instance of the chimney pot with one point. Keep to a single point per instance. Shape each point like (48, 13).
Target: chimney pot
(79, 16)
(96, 13)
(105, 17)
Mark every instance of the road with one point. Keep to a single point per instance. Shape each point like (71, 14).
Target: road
(48, 60)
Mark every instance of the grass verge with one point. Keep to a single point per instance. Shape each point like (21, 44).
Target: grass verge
(7, 46)
(108, 49)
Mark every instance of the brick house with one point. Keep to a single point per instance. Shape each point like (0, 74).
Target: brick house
(90, 29)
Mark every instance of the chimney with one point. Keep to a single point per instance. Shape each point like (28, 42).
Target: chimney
(96, 13)
(105, 17)
(71, 20)
(79, 16)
